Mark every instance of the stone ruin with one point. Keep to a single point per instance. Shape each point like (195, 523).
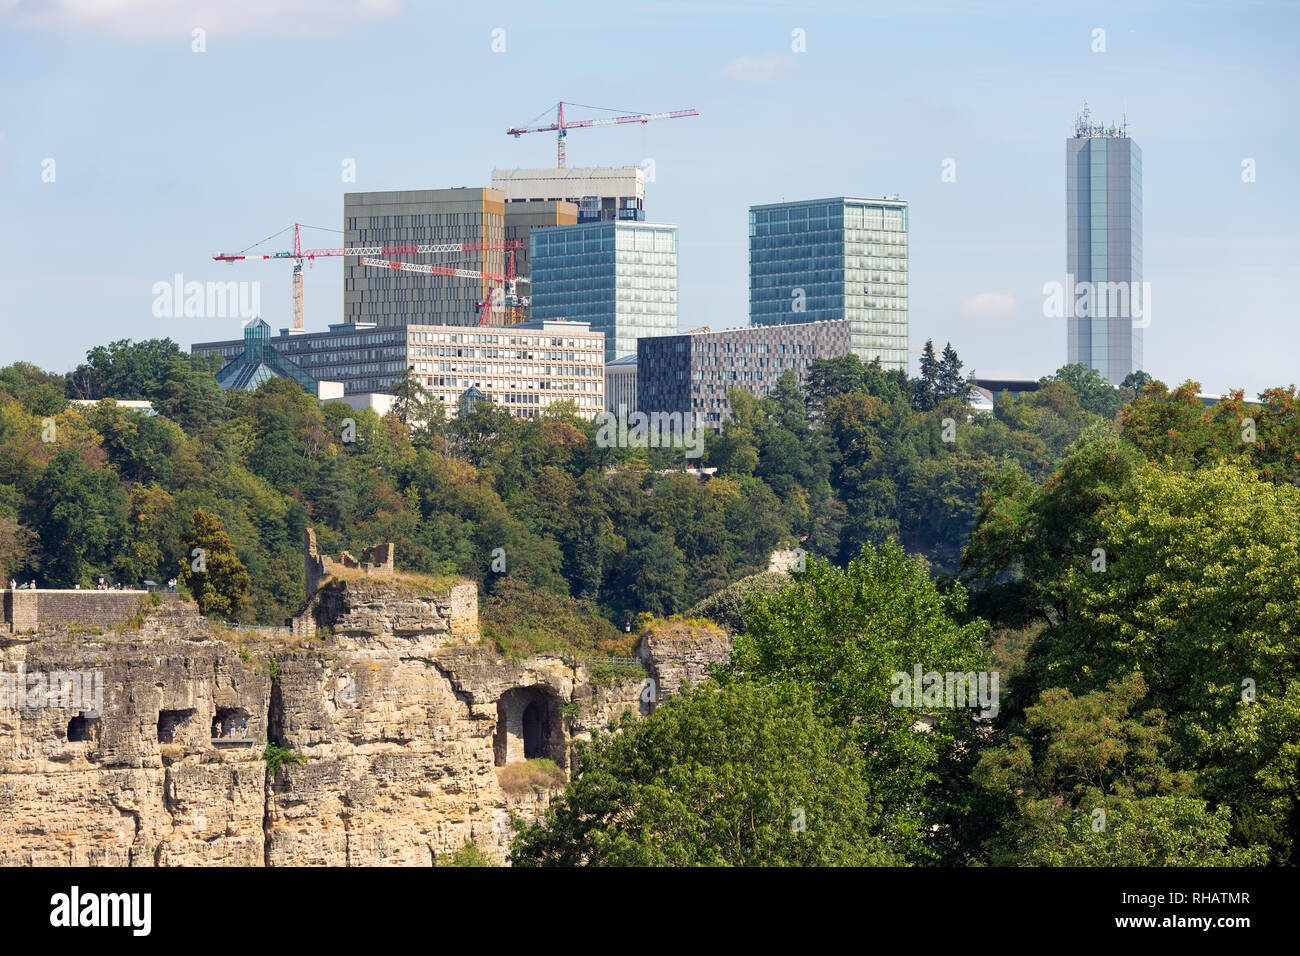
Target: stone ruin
(376, 560)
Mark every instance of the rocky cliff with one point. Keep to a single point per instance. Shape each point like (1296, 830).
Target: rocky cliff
(396, 724)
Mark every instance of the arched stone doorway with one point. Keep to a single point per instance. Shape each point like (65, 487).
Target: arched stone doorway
(528, 726)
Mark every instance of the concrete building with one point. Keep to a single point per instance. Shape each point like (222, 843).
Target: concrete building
(828, 259)
(524, 369)
(388, 297)
(523, 217)
(600, 194)
(620, 384)
(1103, 214)
(621, 277)
(693, 372)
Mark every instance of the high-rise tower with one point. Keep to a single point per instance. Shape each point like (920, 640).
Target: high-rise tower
(1103, 259)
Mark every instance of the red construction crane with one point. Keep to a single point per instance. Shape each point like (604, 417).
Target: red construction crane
(510, 297)
(298, 254)
(561, 127)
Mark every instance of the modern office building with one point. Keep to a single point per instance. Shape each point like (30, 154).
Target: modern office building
(1103, 214)
(829, 259)
(621, 277)
(693, 372)
(523, 217)
(388, 297)
(620, 384)
(524, 369)
(601, 194)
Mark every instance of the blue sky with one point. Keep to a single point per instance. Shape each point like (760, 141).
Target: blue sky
(164, 156)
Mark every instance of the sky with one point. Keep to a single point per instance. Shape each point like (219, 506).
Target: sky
(128, 156)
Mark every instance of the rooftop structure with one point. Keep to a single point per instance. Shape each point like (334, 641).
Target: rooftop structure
(600, 194)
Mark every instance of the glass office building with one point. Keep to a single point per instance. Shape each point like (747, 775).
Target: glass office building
(621, 277)
(1103, 208)
(828, 259)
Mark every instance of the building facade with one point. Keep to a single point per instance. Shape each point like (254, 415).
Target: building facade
(523, 217)
(693, 372)
(620, 384)
(1103, 213)
(389, 297)
(830, 259)
(523, 369)
(600, 194)
(621, 277)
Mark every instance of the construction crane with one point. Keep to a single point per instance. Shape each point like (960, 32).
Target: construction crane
(561, 126)
(298, 254)
(510, 298)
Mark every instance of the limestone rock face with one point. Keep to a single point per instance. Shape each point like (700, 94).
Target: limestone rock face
(145, 747)
(679, 654)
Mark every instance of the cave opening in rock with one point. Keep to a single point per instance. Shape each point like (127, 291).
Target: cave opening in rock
(83, 728)
(173, 725)
(533, 730)
(528, 726)
(230, 722)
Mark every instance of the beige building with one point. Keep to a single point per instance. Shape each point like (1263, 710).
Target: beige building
(409, 217)
(523, 368)
(523, 217)
(601, 194)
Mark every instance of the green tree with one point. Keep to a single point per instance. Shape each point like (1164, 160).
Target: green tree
(1096, 395)
(211, 570)
(746, 775)
(950, 384)
(845, 634)
(925, 390)
(411, 402)
(1085, 784)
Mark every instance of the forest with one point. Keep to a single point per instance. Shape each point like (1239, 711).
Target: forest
(1126, 559)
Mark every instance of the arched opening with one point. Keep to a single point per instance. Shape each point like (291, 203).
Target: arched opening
(528, 726)
(83, 728)
(533, 731)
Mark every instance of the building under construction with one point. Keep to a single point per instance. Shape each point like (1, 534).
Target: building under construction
(404, 218)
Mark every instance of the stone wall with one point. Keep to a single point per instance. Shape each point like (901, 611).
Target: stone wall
(25, 611)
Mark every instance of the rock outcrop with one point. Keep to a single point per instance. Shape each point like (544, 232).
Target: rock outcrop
(145, 743)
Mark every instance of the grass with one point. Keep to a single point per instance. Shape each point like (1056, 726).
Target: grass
(402, 581)
(539, 775)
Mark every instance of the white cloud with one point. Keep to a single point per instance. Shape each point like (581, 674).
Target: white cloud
(760, 69)
(988, 305)
(165, 19)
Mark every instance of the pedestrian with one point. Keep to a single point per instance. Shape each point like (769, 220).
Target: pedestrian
(13, 585)
(33, 584)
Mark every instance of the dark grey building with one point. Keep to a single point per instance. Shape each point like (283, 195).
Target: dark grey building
(692, 372)
(1107, 304)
